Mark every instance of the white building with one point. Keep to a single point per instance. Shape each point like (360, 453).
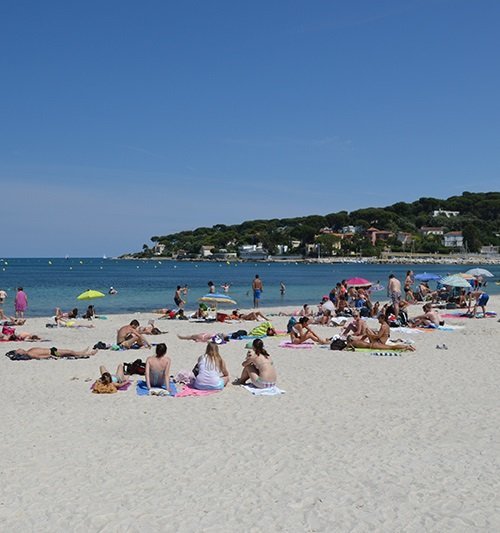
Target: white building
(453, 239)
(428, 230)
(443, 213)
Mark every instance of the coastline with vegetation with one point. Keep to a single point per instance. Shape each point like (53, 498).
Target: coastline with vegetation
(462, 229)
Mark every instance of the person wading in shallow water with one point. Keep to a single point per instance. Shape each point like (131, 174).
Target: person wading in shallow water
(257, 288)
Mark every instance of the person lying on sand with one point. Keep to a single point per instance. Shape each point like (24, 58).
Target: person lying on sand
(252, 315)
(150, 329)
(11, 320)
(301, 332)
(197, 337)
(118, 379)
(10, 334)
(128, 336)
(258, 367)
(70, 323)
(51, 353)
(70, 314)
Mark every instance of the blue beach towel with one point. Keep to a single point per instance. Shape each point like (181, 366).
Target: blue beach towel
(142, 389)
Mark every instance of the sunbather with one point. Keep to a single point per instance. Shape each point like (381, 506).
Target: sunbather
(118, 378)
(357, 328)
(48, 353)
(258, 367)
(430, 318)
(378, 339)
(129, 336)
(301, 332)
(158, 368)
(252, 315)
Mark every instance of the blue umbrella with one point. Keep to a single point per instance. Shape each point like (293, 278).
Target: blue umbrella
(427, 276)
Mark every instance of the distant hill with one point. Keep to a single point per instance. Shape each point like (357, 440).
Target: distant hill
(473, 217)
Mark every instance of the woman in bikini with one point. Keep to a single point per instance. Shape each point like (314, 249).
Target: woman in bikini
(258, 367)
(378, 339)
(48, 353)
(301, 332)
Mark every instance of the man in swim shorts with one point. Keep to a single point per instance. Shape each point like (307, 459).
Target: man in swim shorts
(481, 301)
(257, 290)
(394, 292)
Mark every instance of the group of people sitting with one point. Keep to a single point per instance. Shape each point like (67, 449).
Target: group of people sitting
(209, 373)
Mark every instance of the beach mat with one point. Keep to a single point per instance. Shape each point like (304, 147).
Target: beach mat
(271, 391)
(181, 392)
(289, 344)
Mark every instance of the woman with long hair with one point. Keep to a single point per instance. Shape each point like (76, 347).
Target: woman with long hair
(258, 367)
(210, 370)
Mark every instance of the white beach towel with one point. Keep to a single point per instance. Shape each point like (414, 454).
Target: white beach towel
(271, 391)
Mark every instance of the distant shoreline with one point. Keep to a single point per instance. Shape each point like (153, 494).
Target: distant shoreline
(403, 260)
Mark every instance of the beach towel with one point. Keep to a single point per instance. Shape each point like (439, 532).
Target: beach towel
(190, 391)
(271, 391)
(142, 389)
(289, 344)
(489, 314)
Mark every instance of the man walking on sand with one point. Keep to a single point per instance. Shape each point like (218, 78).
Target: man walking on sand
(257, 290)
(394, 293)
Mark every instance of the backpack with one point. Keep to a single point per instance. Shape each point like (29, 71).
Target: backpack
(338, 344)
(290, 324)
(137, 367)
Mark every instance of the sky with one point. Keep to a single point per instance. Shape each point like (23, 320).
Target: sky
(121, 120)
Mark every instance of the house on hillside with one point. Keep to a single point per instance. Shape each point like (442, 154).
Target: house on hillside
(489, 250)
(443, 213)
(253, 252)
(453, 239)
(158, 249)
(375, 235)
(429, 230)
(206, 250)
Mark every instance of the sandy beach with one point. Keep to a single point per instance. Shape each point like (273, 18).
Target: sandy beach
(357, 443)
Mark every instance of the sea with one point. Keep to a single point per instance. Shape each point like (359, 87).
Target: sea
(146, 285)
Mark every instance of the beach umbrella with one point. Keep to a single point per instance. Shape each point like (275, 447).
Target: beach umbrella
(215, 299)
(455, 281)
(476, 272)
(466, 276)
(359, 282)
(90, 295)
(427, 276)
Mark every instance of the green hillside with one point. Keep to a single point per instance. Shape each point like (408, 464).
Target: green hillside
(478, 219)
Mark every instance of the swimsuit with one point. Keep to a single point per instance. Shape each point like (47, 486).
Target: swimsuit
(257, 293)
(261, 384)
(483, 299)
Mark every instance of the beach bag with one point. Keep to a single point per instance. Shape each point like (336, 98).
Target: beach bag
(137, 367)
(338, 344)
(238, 334)
(7, 330)
(290, 324)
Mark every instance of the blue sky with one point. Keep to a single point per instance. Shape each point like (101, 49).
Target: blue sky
(122, 120)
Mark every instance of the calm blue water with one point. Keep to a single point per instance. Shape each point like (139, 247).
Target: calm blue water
(145, 285)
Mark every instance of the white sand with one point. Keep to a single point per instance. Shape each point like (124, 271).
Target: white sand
(358, 442)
